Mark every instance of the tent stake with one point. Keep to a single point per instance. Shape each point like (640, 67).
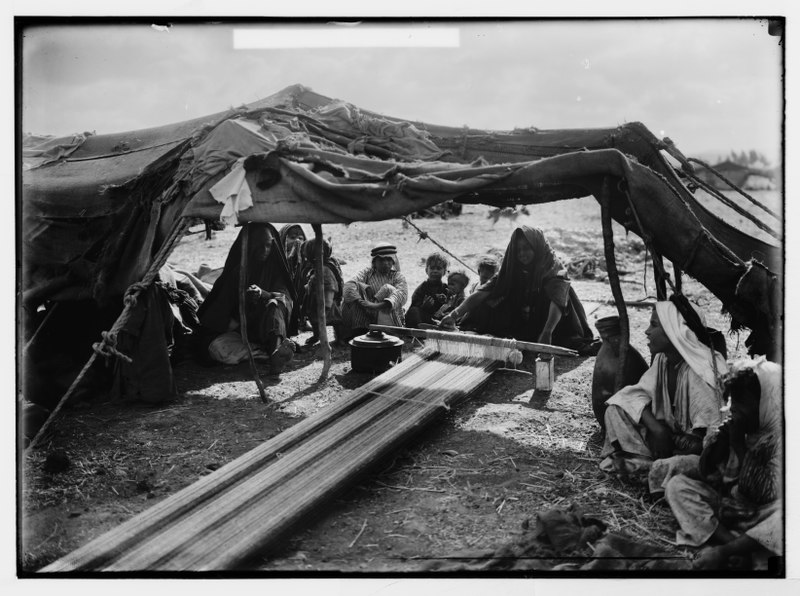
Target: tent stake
(613, 278)
(322, 331)
(243, 316)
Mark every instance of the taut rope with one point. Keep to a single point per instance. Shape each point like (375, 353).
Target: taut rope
(423, 235)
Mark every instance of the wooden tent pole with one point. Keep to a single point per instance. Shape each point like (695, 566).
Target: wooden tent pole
(613, 278)
(50, 312)
(322, 324)
(243, 316)
(658, 270)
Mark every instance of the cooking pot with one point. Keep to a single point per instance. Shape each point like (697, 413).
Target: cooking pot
(375, 352)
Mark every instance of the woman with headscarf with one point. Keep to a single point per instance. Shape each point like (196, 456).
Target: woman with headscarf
(676, 401)
(270, 300)
(530, 298)
(333, 287)
(376, 294)
(292, 238)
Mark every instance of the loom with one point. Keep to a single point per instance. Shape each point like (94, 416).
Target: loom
(248, 505)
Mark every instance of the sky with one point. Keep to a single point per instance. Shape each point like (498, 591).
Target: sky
(710, 84)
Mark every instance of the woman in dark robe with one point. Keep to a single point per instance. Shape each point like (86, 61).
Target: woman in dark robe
(530, 298)
(292, 238)
(333, 287)
(270, 302)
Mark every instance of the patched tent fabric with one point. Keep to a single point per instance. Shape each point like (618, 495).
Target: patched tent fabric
(94, 218)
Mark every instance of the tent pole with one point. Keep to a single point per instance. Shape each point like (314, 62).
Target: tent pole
(107, 345)
(322, 324)
(243, 316)
(613, 278)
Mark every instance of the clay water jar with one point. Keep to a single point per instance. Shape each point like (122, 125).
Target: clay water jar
(606, 363)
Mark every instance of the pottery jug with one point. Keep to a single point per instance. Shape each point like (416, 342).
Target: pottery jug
(605, 366)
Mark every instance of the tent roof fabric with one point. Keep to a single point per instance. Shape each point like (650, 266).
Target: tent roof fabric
(88, 200)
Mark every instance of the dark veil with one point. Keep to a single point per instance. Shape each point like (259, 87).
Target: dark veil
(222, 303)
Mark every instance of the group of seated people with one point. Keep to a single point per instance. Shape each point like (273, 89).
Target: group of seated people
(706, 436)
(528, 296)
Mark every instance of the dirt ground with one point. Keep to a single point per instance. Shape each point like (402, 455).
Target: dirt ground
(469, 485)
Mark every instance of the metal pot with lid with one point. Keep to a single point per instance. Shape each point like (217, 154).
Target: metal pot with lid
(375, 351)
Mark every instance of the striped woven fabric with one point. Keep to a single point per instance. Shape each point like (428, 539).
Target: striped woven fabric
(245, 507)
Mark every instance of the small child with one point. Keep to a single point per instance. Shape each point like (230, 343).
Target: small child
(431, 294)
(457, 283)
(487, 267)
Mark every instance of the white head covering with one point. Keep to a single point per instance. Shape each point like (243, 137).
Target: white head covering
(696, 354)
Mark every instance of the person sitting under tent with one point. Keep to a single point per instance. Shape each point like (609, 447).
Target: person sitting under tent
(487, 267)
(270, 301)
(431, 294)
(730, 499)
(530, 298)
(292, 238)
(376, 294)
(675, 402)
(457, 283)
(333, 288)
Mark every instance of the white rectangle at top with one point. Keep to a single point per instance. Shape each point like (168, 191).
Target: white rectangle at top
(357, 36)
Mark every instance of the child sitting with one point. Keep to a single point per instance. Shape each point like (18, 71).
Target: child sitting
(457, 283)
(487, 267)
(431, 294)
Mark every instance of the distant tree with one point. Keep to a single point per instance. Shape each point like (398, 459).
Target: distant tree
(750, 158)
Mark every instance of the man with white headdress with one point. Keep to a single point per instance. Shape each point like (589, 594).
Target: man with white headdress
(676, 400)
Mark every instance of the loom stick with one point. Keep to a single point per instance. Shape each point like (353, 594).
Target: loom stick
(477, 339)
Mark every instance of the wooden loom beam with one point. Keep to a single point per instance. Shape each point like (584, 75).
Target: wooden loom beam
(477, 339)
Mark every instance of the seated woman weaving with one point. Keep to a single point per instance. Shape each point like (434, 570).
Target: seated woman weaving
(674, 403)
(270, 301)
(530, 298)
